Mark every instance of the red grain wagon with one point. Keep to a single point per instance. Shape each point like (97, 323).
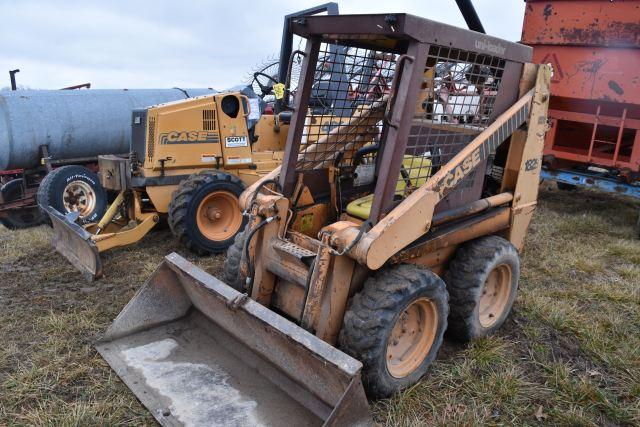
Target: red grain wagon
(594, 47)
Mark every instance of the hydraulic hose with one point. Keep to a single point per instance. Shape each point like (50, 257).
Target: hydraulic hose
(260, 186)
(247, 242)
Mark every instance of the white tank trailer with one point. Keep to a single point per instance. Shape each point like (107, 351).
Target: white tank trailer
(75, 126)
(72, 123)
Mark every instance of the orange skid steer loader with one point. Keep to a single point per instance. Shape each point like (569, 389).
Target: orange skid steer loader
(404, 220)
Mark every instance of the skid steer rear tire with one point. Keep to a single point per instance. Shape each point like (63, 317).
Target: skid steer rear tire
(207, 193)
(482, 281)
(386, 317)
(79, 181)
(231, 273)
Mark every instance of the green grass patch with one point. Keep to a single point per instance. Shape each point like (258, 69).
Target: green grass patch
(569, 354)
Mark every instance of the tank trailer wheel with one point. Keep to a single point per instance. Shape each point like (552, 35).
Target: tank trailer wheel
(18, 218)
(204, 213)
(73, 189)
(483, 282)
(395, 327)
(231, 274)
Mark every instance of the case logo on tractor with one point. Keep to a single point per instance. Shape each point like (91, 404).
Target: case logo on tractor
(459, 172)
(189, 137)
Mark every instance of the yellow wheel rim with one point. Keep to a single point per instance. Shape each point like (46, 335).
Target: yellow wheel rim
(412, 337)
(218, 216)
(78, 196)
(495, 295)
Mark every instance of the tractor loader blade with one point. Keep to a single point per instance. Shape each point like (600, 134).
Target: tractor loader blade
(197, 352)
(75, 244)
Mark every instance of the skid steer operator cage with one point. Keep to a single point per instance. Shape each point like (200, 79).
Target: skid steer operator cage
(403, 92)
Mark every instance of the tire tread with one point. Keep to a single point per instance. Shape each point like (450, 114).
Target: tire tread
(465, 279)
(181, 202)
(373, 311)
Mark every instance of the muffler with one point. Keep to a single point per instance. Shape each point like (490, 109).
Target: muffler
(197, 352)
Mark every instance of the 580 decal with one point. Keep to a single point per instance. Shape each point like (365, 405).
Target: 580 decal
(189, 137)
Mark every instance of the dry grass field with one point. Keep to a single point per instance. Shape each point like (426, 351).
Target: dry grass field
(568, 355)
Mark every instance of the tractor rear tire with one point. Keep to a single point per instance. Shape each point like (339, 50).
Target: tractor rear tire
(204, 213)
(395, 326)
(482, 281)
(17, 219)
(73, 188)
(231, 274)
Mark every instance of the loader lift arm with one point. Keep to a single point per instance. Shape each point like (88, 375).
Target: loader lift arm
(385, 238)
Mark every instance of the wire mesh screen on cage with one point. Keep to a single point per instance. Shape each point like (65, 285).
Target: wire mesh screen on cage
(346, 108)
(458, 92)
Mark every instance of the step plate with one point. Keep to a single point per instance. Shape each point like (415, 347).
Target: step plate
(292, 249)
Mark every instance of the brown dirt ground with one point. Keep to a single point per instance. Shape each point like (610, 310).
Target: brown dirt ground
(569, 354)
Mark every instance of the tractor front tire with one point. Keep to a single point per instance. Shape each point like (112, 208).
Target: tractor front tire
(395, 326)
(204, 213)
(482, 281)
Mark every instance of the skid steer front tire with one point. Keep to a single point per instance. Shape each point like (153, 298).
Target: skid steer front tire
(231, 274)
(204, 213)
(482, 281)
(395, 327)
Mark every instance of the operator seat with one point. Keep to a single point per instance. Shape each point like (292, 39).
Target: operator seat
(415, 172)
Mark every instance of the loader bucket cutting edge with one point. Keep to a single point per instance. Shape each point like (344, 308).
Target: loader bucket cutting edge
(197, 352)
(75, 244)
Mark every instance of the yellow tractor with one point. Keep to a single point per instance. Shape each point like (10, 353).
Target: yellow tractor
(403, 221)
(190, 161)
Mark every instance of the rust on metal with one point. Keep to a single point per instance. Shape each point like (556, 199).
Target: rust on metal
(249, 364)
(471, 209)
(594, 49)
(317, 284)
(582, 23)
(490, 222)
(75, 244)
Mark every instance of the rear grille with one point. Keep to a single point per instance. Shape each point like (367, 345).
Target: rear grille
(209, 119)
(497, 173)
(152, 138)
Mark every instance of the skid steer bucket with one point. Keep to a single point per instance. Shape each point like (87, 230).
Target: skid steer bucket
(75, 244)
(197, 352)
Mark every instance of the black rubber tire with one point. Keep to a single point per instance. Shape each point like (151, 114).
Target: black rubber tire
(184, 205)
(17, 219)
(566, 187)
(231, 273)
(372, 314)
(51, 190)
(465, 280)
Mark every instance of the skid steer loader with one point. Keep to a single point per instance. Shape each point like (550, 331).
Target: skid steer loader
(405, 220)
